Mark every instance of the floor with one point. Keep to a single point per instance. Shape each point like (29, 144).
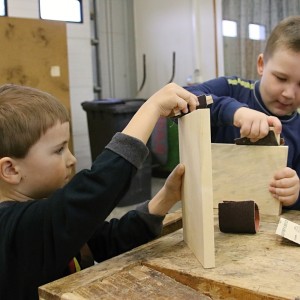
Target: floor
(156, 184)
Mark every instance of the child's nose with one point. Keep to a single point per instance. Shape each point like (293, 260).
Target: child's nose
(71, 160)
(289, 91)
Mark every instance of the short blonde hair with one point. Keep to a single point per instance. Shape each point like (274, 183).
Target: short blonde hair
(285, 35)
(25, 114)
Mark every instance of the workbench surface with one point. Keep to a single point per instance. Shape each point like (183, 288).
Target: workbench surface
(248, 266)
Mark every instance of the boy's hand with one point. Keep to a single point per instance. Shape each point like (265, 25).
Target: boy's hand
(285, 186)
(163, 103)
(254, 124)
(173, 183)
(169, 194)
(171, 98)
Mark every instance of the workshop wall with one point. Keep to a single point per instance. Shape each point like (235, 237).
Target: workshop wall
(185, 27)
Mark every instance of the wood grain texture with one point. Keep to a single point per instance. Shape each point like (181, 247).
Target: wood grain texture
(30, 48)
(197, 204)
(244, 173)
(262, 266)
(135, 282)
(172, 222)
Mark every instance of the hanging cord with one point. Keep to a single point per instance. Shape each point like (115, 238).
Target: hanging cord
(144, 74)
(173, 67)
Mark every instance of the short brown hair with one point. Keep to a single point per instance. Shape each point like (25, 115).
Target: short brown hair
(25, 114)
(286, 34)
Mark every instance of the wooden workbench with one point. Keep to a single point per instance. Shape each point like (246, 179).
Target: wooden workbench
(259, 266)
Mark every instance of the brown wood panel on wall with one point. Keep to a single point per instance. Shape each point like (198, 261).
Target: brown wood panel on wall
(34, 53)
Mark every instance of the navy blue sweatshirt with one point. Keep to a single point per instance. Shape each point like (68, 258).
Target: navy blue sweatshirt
(231, 93)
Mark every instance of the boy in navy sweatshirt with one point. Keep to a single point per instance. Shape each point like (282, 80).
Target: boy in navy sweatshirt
(247, 108)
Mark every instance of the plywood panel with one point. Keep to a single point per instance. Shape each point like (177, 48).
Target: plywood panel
(134, 283)
(197, 204)
(34, 53)
(244, 173)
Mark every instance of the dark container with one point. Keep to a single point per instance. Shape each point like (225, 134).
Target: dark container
(106, 117)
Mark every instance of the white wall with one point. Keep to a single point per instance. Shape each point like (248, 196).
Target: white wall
(80, 71)
(81, 84)
(183, 26)
(117, 48)
(161, 27)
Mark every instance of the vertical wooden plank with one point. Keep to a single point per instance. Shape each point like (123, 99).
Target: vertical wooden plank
(197, 204)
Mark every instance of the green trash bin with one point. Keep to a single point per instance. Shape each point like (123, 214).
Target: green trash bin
(105, 117)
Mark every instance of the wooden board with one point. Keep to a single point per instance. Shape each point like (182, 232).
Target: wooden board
(244, 173)
(172, 222)
(134, 283)
(34, 53)
(197, 199)
(245, 265)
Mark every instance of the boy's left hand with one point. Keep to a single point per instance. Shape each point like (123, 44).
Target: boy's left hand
(285, 186)
(169, 194)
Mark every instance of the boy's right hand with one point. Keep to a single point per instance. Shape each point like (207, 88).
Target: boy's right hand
(172, 98)
(163, 103)
(254, 124)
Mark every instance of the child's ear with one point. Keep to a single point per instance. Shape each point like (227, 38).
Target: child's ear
(260, 64)
(9, 171)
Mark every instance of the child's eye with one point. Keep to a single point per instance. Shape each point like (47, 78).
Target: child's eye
(60, 150)
(280, 78)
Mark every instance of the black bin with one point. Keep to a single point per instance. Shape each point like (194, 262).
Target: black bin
(106, 117)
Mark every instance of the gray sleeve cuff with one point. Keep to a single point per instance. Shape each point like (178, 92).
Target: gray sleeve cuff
(130, 148)
(154, 222)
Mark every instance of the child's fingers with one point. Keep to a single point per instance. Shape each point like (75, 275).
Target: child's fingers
(187, 104)
(286, 200)
(178, 171)
(186, 100)
(285, 186)
(286, 173)
(275, 122)
(174, 180)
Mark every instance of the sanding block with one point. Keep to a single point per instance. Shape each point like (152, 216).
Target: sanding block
(204, 101)
(271, 139)
(238, 217)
